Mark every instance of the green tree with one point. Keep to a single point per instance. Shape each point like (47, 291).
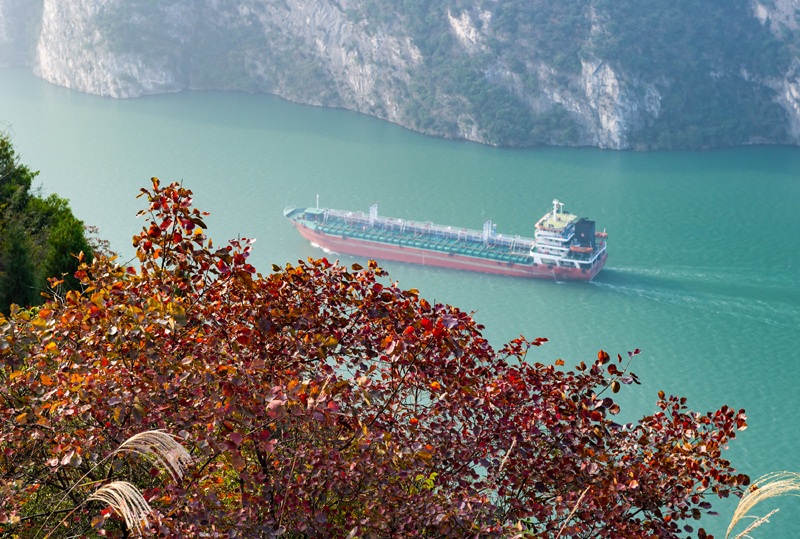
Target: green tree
(15, 178)
(65, 241)
(40, 234)
(18, 278)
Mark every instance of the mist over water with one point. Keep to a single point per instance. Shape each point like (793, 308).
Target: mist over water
(703, 264)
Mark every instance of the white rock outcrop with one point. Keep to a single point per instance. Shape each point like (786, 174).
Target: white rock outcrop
(613, 110)
(777, 12)
(470, 37)
(606, 107)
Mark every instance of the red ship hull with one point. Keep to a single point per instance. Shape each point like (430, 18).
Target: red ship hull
(370, 249)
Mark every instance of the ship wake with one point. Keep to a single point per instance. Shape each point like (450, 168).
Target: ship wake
(771, 312)
(324, 249)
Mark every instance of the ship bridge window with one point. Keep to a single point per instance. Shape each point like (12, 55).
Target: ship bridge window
(313, 214)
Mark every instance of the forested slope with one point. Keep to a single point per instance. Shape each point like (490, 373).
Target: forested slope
(639, 74)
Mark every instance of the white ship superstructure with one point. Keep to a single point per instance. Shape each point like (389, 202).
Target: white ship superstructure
(563, 239)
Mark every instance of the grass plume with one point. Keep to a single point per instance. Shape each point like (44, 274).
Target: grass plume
(161, 447)
(154, 444)
(768, 486)
(127, 501)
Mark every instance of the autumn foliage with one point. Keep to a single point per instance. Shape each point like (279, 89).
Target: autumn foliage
(322, 401)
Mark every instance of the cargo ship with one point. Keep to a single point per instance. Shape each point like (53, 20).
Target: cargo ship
(564, 247)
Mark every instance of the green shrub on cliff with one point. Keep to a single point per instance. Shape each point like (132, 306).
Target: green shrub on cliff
(38, 236)
(707, 58)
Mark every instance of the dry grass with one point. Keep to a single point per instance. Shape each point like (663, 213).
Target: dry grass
(162, 448)
(127, 501)
(768, 486)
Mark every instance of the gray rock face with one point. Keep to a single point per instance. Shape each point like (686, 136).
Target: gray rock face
(608, 108)
(777, 15)
(787, 95)
(343, 53)
(366, 69)
(71, 53)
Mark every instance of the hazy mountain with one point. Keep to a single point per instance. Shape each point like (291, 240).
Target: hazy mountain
(612, 73)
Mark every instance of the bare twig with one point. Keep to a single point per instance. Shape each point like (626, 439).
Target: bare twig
(577, 504)
(505, 458)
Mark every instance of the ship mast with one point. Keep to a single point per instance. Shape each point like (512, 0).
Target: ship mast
(373, 213)
(556, 206)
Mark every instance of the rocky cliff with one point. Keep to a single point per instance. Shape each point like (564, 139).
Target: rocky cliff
(624, 74)
(781, 17)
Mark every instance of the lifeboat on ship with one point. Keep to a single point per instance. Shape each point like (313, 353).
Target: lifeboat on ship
(602, 234)
(580, 249)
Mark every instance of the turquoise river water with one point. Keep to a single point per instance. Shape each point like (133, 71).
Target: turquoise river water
(704, 247)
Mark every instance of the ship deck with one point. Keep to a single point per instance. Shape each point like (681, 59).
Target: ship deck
(415, 239)
(549, 223)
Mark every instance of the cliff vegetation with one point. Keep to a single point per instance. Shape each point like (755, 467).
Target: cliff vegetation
(616, 74)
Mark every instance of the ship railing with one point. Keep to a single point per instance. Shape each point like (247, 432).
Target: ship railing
(360, 219)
